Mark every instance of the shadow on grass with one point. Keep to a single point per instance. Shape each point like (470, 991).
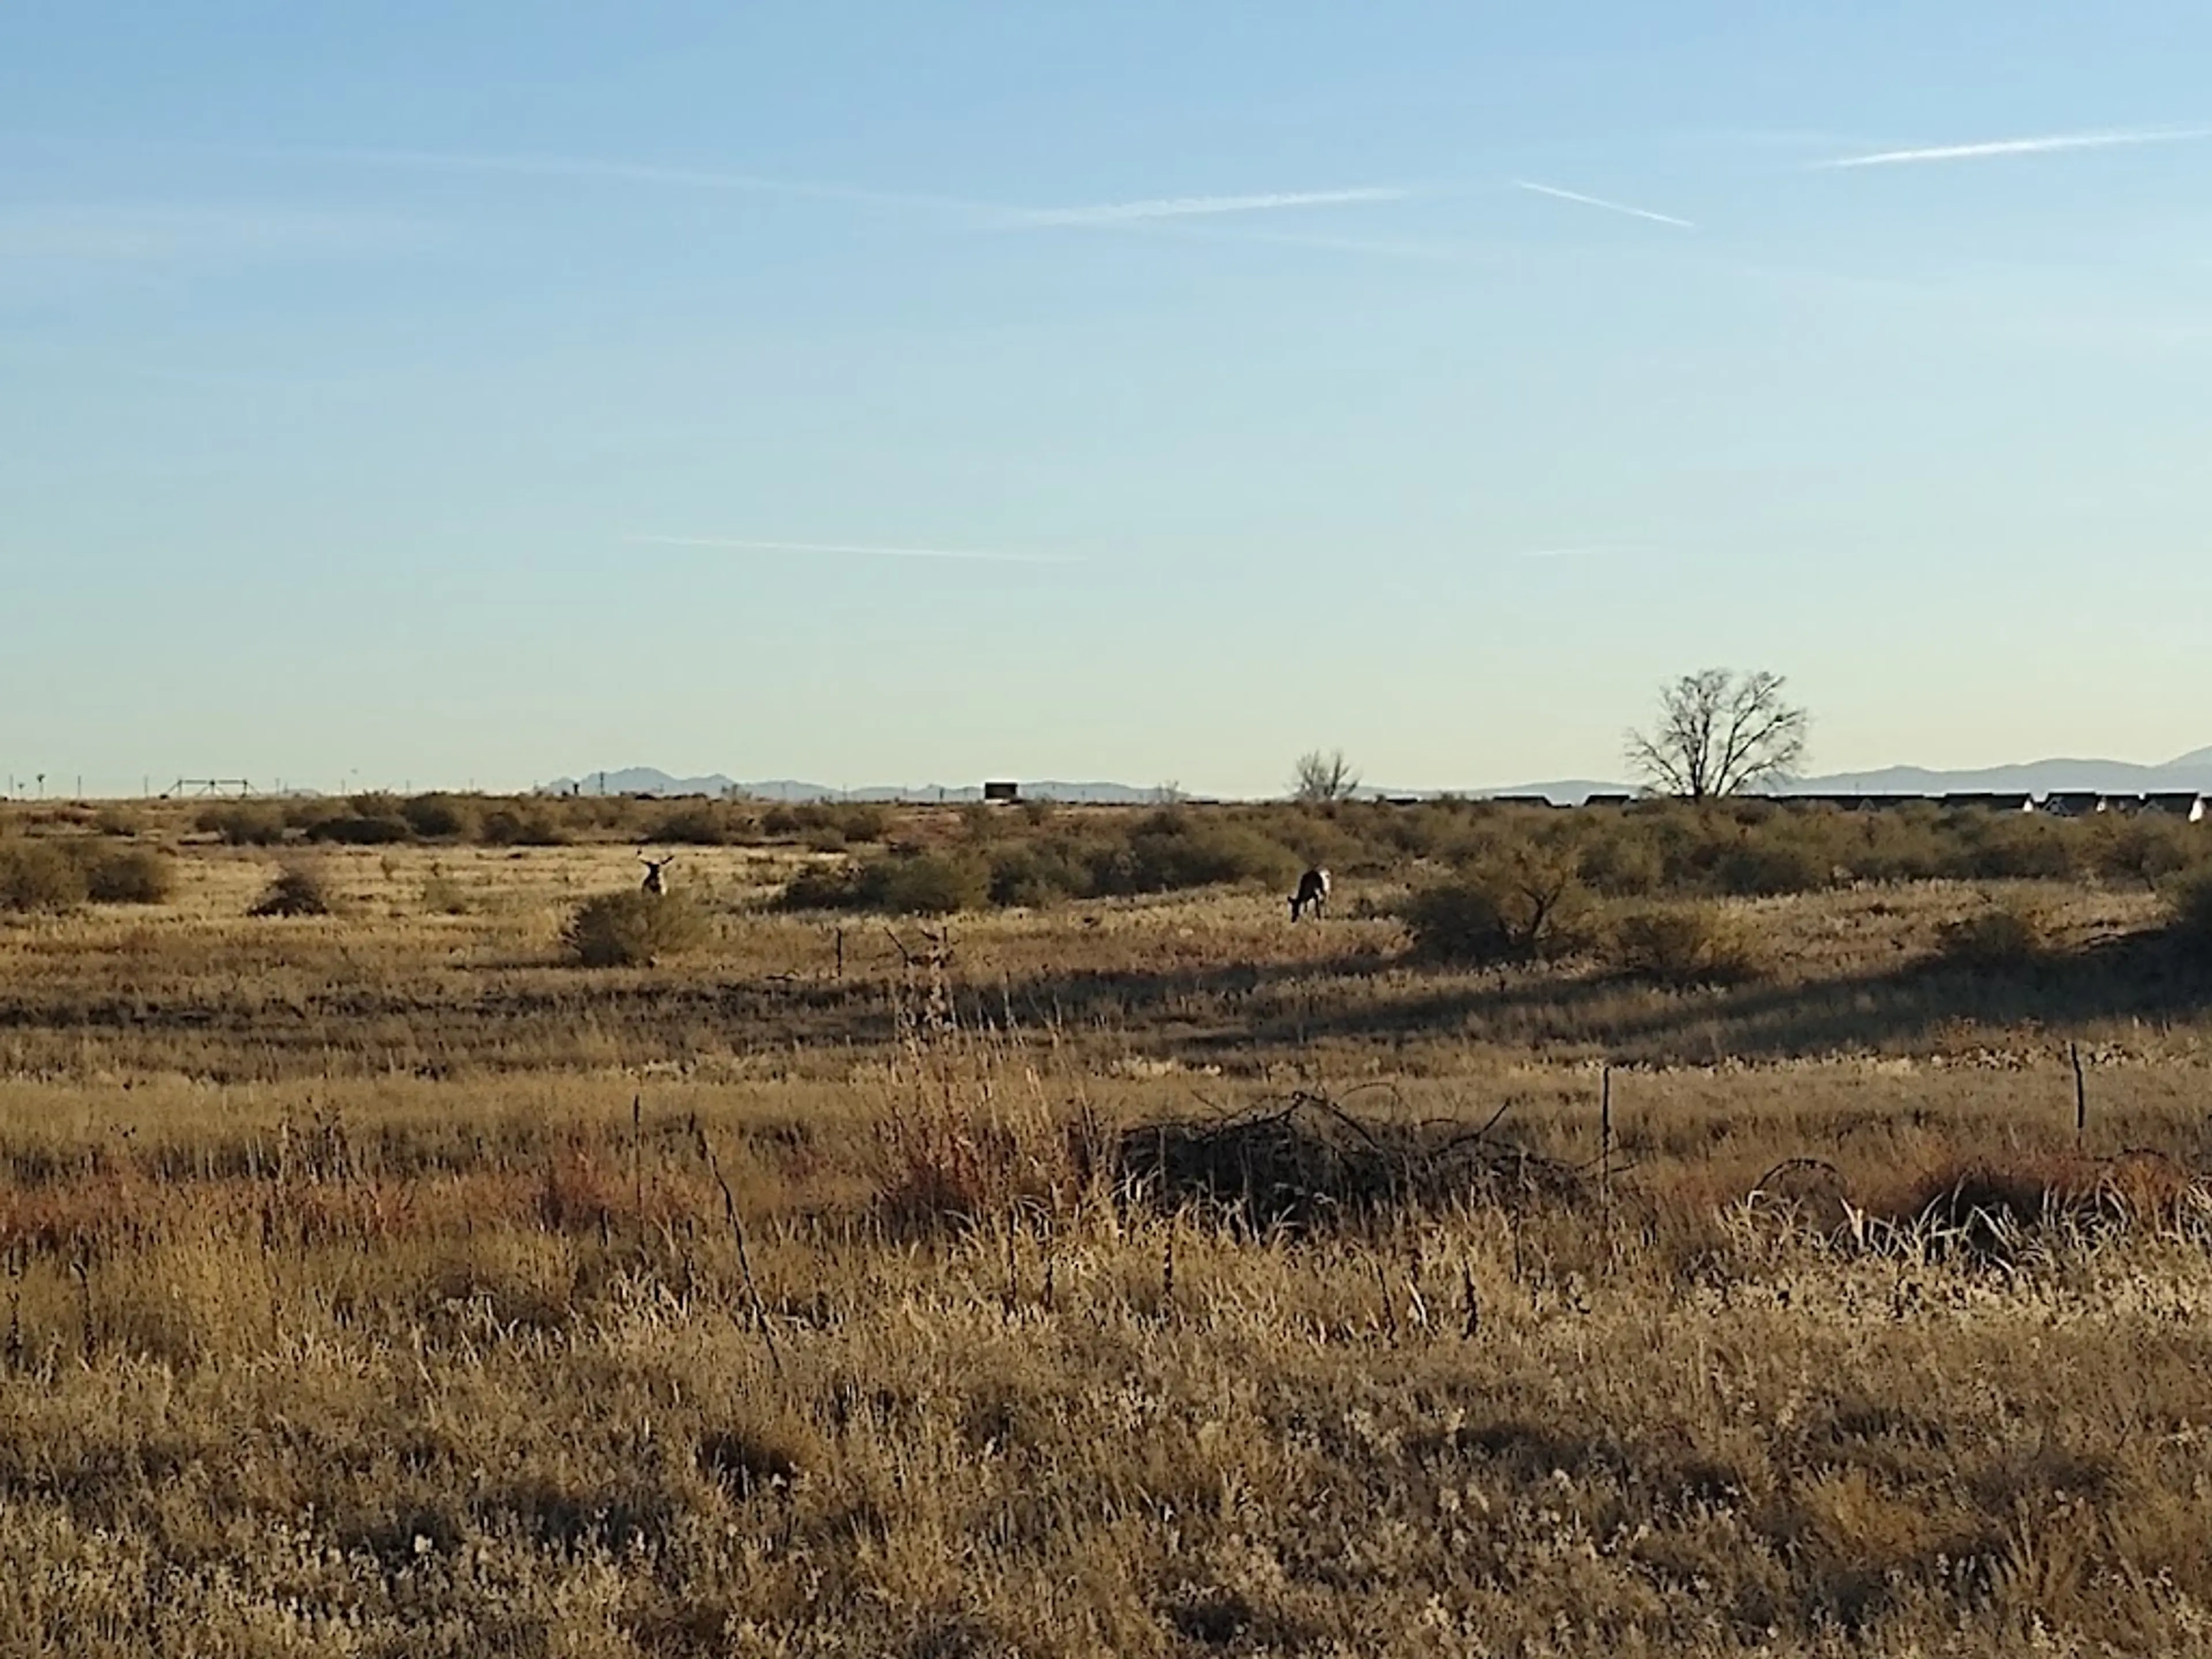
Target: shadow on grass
(2146, 977)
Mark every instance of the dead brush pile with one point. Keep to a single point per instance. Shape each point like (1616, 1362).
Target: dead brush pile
(1307, 1163)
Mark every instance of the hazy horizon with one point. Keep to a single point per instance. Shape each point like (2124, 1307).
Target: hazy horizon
(443, 394)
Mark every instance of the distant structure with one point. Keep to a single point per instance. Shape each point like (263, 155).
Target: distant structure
(2184, 804)
(2073, 802)
(184, 787)
(656, 874)
(1312, 894)
(1002, 791)
(1990, 801)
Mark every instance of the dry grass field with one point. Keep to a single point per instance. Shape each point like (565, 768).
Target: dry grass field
(1138, 1275)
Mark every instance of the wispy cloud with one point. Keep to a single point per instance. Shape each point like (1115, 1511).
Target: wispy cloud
(2049, 143)
(1207, 207)
(593, 170)
(150, 233)
(587, 170)
(747, 545)
(1577, 196)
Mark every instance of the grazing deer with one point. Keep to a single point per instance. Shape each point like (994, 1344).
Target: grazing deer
(656, 878)
(1313, 891)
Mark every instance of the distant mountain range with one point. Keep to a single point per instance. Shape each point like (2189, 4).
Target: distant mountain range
(2190, 771)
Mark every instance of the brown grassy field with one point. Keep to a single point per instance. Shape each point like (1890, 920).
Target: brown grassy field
(1126, 1275)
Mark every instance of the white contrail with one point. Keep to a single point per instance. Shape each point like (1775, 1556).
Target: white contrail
(1202, 207)
(1600, 202)
(746, 545)
(588, 169)
(2048, 144)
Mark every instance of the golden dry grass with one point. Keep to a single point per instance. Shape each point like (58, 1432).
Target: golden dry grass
(380, 1283)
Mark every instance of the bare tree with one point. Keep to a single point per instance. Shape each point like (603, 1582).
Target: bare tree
(1321, 777)
(1719, 733)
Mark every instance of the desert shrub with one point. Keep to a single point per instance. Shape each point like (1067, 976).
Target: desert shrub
(439, 818)
(1622, 861)
(2013, 846)
(2190, 905)
(297, 891)
(1525, 903)
(129, 875)
(2003, 936)
(633, 929)
(1035, 874)
(117, 821)
(1171, 850)
(379, 829)
(531, 826)
(1685, 945)
(245, 824)
(699, 823)
(37, 875)
(897, 883)
(926, 885)
(828, 838)
(444, 897)
(1772, 863)
(2147, 849)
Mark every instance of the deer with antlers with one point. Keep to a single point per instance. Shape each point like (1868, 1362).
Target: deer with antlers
(656, 873)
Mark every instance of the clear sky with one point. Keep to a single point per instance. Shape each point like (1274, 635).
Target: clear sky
(436, 391)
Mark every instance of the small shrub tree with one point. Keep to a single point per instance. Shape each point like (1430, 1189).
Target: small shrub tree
(37, 875)
(130, 875)
(299, 892)
(1524, 903)
(439, 818)
(633, 929)
(1685, 945)
(244, 825)
(1319, 778)
(2002, 938)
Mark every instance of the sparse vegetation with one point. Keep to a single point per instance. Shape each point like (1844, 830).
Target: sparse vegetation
(633, 929)
(39, 875)
(2001, 937)
(298, 891)
(1214, 1283)
(1518, 905)
(130, 875)
(1688, 944)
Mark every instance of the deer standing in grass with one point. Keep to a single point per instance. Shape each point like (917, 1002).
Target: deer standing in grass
(656, 874)
(1312, 894)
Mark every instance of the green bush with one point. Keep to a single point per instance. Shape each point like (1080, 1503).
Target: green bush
(2147, 849)
(130, 875)
(297, 891)
(439, 818)
(375, 830)
(37, 875)
(899, 885)
(633, 929)
(1685, 945)
(531, 826)
(1528, 902)
(701, 823)
(244, 825)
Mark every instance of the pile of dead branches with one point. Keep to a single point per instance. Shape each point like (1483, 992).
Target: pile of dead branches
(1306, 1163)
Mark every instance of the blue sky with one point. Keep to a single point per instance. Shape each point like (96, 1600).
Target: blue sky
(450, 392)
